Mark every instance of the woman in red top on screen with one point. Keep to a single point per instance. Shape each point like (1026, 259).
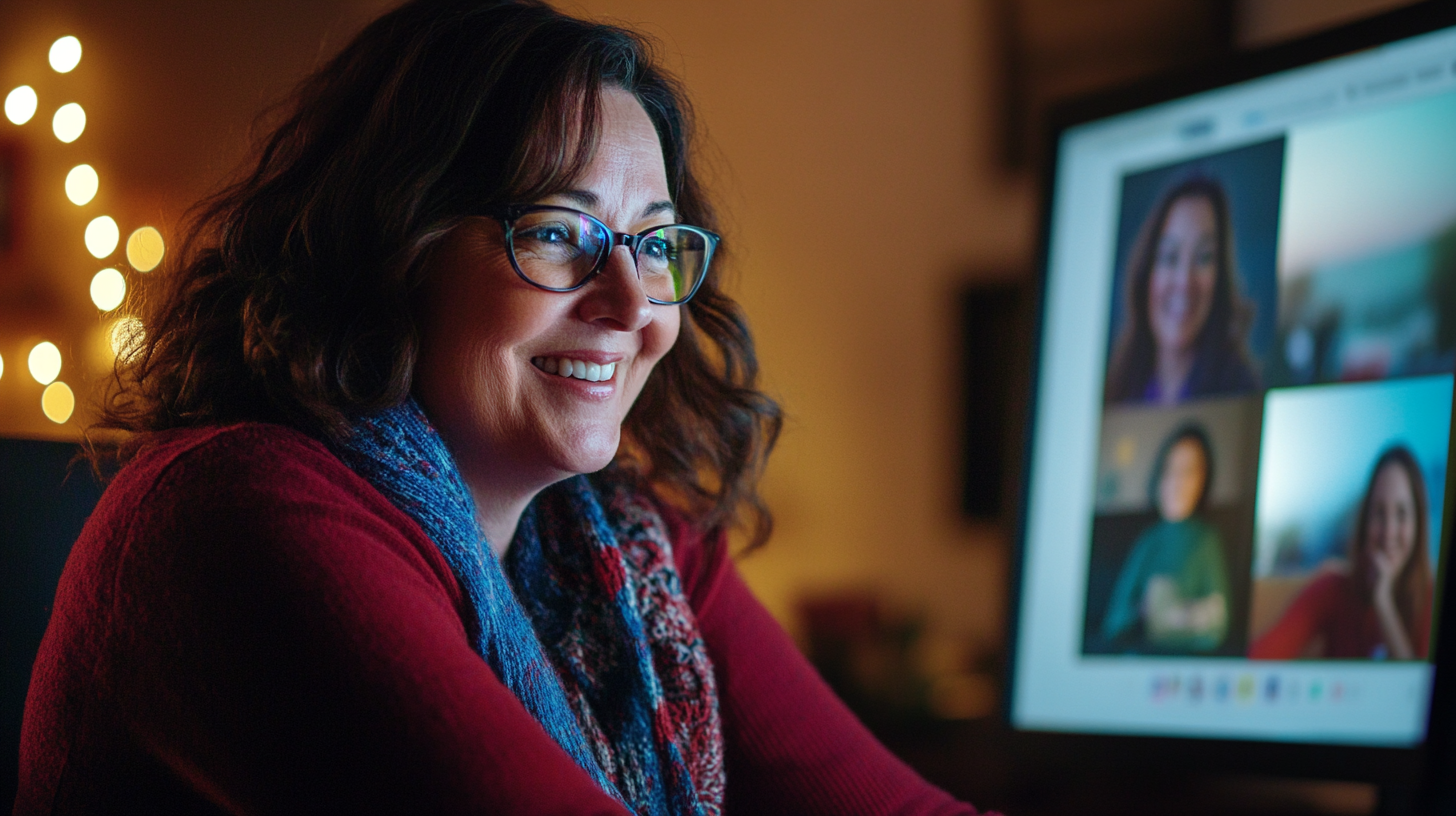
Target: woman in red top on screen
(1185, 321)
(1381, 607)
(355, 561)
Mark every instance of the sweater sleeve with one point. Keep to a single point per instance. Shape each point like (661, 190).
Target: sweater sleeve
(276, 637)
(791, 746)
(1301, 622)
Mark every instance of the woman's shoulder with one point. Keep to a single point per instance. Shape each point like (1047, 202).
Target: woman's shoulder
(276, 482)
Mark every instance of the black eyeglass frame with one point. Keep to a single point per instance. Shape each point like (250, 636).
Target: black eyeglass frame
(633, 242)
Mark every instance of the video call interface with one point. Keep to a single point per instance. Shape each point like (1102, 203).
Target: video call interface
(1269, 426)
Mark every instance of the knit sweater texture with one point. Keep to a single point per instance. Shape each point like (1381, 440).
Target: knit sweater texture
(247, 626)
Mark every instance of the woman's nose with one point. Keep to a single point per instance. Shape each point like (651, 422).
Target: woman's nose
(616, 297)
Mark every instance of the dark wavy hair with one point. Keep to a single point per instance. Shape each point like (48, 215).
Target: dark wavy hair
(1413, 586)
(1223, 336)
(289, 299)
(1193, 432)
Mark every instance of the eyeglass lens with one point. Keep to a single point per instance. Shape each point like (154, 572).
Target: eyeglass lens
(558, 249)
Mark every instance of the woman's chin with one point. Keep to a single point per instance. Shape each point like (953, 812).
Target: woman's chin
(587, 452)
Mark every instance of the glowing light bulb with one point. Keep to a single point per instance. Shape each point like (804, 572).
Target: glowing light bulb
(58, 402)
(126, 337)
(45, 362)
(65, 54)
(108, 289)
(20, 104)
(102, 235)
(144, 249)
(81, 184)
(69, 122)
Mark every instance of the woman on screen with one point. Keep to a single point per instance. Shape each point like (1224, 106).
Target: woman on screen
(1185, 325)
(1381, 607)
(1172, 593)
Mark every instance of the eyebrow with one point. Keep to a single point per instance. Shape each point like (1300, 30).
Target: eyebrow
(589, 200)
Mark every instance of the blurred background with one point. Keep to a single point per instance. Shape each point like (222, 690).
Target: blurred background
(876, 161)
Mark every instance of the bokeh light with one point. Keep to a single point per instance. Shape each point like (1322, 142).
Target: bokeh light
(45, 362)
(102, 235)
(20, 104)
(2, 366)
(108, 289)
(81, 184)
(144, 249)
(69, 122)
(58, 402)
(126, 337)
(65, 54)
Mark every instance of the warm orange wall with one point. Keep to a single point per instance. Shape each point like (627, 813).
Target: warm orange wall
(852, 145)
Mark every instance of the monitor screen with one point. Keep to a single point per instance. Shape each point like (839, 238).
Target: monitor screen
(1236, 495)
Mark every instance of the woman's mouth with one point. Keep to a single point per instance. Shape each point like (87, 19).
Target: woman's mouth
(575, 369)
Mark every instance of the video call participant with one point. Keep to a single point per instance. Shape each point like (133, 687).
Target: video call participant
(1380, 607)
(1171, 595)
(1184, 333)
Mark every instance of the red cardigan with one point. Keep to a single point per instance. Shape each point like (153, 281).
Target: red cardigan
(245, 625)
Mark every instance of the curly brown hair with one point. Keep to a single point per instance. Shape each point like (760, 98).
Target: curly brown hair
(289, 299)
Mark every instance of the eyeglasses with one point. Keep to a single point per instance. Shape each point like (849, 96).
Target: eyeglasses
(560, 250)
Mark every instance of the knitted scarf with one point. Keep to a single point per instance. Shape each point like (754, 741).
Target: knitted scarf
(595, 638)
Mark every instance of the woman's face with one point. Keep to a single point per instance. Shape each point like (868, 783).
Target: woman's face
(1184, 473)
(1185, 271)
(485, 332)
(1390, 520)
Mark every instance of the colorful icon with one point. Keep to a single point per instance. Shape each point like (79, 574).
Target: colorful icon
(1245, 688)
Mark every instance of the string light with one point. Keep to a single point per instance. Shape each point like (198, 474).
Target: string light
(144, 249)
(69, 122)
(20, 104)
(82, 184)
(102, 235)
(65, 54)
(108, 289)
(45, 362)
(58, 402)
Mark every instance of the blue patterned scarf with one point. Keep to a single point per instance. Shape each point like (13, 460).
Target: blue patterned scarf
(601, 647)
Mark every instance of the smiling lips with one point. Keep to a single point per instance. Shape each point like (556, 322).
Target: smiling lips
(577, 369)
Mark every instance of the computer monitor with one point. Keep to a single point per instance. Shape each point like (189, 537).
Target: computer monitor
(1237, 502)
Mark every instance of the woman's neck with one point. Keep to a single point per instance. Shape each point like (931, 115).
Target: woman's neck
(1173, 369)
(501, 500)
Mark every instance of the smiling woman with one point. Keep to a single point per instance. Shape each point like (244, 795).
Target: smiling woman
(435, 434)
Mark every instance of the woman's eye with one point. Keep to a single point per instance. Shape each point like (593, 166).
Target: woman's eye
(656, 249)
(548, 234)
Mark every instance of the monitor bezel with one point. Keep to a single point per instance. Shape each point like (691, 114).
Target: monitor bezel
(1398, 767)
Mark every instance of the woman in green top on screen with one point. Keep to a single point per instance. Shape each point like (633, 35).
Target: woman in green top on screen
(1172, 593)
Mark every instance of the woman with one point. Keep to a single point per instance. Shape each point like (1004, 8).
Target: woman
(1381, 607)
(353, 563)
(1172, 593)
(1183, 334)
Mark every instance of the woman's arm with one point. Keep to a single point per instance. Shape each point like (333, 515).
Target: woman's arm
(280, 638)
(1300, 624)
(1392, 628)
(791, 746)
(1169, 614)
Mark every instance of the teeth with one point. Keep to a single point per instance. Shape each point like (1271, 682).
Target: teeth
(579, 369)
